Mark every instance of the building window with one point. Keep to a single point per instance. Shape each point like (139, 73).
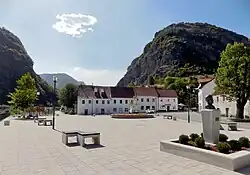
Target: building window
(142, 107)
(126, 110)
(173, 100)
(217, 99)
(147, 107)
(153, 107)
(114, 101)
(168, 100)
(223, 98)
(103, 102)
(173, 107)
(161, 100)
(96, 101)
(89, 101)
(147, 99)
(114, 110)
(126, 101)
(141, 99)
(108, 102)
(120, 110)
(153, 100)
(83, 101)
(120, 101)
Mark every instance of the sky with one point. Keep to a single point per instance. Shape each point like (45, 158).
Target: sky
(96, 40)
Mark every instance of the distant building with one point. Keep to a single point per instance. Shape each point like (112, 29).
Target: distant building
(107, 100)
(226, 107)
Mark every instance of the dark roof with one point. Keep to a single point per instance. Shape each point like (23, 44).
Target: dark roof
(122, 92)
(166, 93)
(88, 91)
(145, 91)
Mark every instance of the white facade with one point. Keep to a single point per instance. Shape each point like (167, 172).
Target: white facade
(207, 89)
(146, 102)
(103, 106)
(168, 104)
(226, 107)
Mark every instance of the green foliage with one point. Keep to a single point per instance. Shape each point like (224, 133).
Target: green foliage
(223, 147)
(235, 145)
(68, 95)
(200, 142)
(223, 138)
(244, 142)
(24, 95)
(193, 136)
(131, 85)
(192, 143)
(183, 139)
(233, 75)
(151, 80)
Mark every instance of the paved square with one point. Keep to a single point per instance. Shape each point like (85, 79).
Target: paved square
(130, 147)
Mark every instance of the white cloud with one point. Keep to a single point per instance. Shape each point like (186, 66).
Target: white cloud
(97, 77)
(74, 24)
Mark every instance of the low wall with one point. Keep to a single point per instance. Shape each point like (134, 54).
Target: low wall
(233, 161)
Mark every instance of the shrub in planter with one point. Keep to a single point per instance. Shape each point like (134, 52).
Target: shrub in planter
(183, 139)
(235, 145)
(192, 143)
(193, 136)
(223, 138)
(223, 147)
(244, 142)
(200, 142)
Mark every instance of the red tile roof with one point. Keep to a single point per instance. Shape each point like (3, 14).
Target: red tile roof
(145, 91)
(88, 91)
(122, 92)
(166, 93)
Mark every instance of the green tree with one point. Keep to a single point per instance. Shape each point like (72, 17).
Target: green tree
(24, 94)
(151, 80)
(233, 75)
(68, 95)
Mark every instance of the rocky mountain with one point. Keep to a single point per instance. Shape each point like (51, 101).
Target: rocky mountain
(182, 49)
(14, 62)
(62, 79)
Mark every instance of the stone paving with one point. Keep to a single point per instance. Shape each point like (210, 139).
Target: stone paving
(130, 147)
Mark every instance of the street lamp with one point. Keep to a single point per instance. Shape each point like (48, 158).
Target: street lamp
(188, 117)
(54, 101)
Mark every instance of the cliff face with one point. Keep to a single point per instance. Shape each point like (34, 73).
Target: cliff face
(14, 62)
(182, 49)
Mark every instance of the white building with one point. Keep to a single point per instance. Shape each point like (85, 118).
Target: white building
(226, 107)
(107, 100)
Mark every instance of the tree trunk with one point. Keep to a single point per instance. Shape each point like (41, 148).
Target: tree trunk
(240, 110)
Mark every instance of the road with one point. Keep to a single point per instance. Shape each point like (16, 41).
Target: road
(196, 117)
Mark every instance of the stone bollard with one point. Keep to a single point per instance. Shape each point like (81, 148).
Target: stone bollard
(6, 123)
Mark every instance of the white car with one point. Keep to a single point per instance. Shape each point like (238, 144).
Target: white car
(148, 111)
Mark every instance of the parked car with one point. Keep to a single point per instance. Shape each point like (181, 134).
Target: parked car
(148, 111)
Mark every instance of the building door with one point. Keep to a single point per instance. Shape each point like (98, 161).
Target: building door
(168, 108)
(102, 111)
(86, 112)
(227, 112)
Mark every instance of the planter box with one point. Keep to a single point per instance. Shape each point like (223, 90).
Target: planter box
(233, 161)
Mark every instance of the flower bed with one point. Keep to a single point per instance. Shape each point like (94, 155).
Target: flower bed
(231, 154)
(131, 116)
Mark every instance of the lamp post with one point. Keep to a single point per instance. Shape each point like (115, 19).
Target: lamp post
(188, 117)
(54, 102)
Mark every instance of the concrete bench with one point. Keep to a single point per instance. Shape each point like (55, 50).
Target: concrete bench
(232, 126)
(48, 122)
(40, 121)
(167, 117)
(83, 135)
(67, 134)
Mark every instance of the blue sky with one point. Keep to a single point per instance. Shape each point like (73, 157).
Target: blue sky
(117, 30)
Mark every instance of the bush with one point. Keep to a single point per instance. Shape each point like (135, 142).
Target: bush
(183, 139)
(223, 147)
(200, 142)
(192, 143)
(244, 142)
(193, 136)
(202, 135)
(223, 138)
(235, 145)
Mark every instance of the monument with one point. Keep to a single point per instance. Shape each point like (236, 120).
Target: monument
(211, 122)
